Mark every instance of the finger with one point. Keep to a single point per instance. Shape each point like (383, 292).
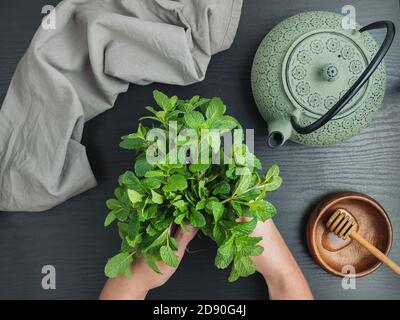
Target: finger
(243, 219)
(183, 238)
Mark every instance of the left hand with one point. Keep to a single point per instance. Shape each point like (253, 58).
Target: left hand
(143, 277)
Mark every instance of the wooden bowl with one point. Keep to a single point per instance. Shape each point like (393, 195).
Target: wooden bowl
(333, 253)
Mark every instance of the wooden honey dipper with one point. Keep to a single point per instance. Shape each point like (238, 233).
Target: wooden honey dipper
(344, 226)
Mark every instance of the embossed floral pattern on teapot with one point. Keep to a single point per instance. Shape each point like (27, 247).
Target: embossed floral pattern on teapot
(317, 83)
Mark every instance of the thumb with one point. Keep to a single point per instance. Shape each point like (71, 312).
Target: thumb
(183, 238)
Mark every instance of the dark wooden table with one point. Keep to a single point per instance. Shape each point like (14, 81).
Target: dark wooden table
(72, 237)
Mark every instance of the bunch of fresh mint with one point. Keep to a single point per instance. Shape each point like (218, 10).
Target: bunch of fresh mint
(153, 197)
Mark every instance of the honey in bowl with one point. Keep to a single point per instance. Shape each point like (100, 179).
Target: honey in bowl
(332, 242)
(333, 253)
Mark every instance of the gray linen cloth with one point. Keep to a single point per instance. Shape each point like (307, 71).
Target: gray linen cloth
(73, 73)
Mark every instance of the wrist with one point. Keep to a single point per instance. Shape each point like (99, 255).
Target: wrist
(139, 294)
(273, 275)
(138, 290)
(124, 288)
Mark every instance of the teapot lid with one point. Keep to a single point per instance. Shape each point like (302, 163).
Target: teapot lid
(307, 63)
(320, 67)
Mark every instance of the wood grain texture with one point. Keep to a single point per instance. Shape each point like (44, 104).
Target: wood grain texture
(72, 238)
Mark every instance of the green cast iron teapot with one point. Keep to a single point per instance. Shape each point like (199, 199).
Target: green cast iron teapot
(317, 83)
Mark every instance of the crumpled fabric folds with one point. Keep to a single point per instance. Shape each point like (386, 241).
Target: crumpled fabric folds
(74, 72)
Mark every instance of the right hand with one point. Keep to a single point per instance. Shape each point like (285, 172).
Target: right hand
(278, 266)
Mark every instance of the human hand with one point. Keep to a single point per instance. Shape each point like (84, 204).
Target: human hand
(143, 277)
(269, 261)
(278, 266)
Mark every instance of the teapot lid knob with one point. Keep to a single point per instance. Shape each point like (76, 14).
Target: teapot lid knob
(330, 72)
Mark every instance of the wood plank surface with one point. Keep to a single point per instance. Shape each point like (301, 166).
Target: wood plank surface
(72, 237)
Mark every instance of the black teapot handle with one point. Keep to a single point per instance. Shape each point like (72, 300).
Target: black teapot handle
(390, 33)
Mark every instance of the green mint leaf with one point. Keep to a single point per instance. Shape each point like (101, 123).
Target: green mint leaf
(151, 231)
(201, 102)
(181, 205)
(156, 198)
(194, 119)
(173, 101)
(246, 241)
(161, 115)
(133, 242)
(230, 172)
(109, 219)
(244, 266)
(142, 166)
(233, 276)
(151, 183)
(225, 254)
(151, 109)
(168, 256)
(237, 207)
(163, 221)
(228, 248)
(257, 163)
(158, 241)
(151, 211)
(247, 246)
(273, 184)
(121, 213)
(201, 205)
(141, 132)
(162, 100)
(245, 228)
(196, 219)
(250, 195)
(264, 212)
(120, 194)
(151, 261)
(217, 210)
(251, 251)
(222, 188)
(258, 207)
(151, 118)
(222, 262)
(224, 123)
(194, 99)
(218, 234)
(176, 182)
(122, 229)
(134, 196)
(129, 180)
(271, 210)
(215, 109)
(125, 247)
(173, 244)
(273, 171)
(243, 184)
(113, 204)
(131, 144)
(154, 173)
(179, 219)
(118, 264)
(133, 226)
(198, 168)
(203, 192)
